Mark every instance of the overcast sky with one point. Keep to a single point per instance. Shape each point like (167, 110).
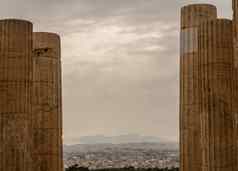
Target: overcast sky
(120, 62)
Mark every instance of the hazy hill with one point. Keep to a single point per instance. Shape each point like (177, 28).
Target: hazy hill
(120, 143)
(84, 148)
(121, 139)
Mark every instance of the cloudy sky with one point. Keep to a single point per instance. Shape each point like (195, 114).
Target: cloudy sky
(120, 62)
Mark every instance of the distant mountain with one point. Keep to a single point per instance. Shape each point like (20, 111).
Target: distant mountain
(85, 148)
(121, 139)
(121, 143)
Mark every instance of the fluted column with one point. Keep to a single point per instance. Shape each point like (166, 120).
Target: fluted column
(235, 70)
(47, 105)
(215, 87)
(190, 126)
(15, 94)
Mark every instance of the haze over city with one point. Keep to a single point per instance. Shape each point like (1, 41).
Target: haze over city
(120, 62)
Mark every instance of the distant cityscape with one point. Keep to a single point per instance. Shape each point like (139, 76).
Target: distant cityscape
(108, 155)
